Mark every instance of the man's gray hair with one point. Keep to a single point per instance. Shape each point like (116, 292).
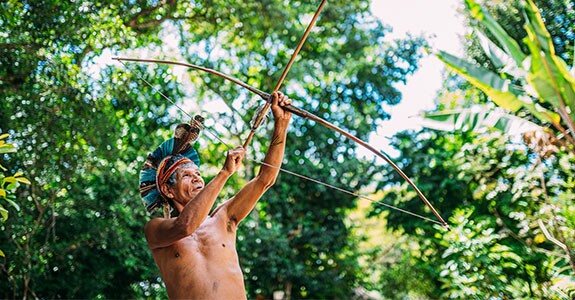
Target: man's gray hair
(174, 177)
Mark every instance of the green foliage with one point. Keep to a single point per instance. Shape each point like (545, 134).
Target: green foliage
(511, 231)
(539, 82)
(84, 127)
(497, 193)
(477, 263)
(558, 16)
(8, 184)
(478, 119)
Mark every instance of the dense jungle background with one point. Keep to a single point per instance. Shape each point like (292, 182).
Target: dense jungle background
(76, 126)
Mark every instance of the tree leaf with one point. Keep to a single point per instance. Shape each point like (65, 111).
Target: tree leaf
(500, 59)
(508, 43)
(10, 179)
(23, 180)
(3, 214)
(7, 148)
(12, 186)
(490, 83)
(539, 34)
(548, 74)
(16, 206)
(498, 89)
(477, 119)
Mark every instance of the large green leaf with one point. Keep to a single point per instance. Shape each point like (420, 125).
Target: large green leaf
(490, 83)
(500, 59)
(499, 89)
(538, 33)
(508, 43)
(549, 74)
(477, 119)
(546, 78)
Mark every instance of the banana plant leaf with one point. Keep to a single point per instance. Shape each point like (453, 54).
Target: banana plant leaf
(500, 59)
(497, 88)
(490, 83)
(548, 73)
(508, 43)
(477, 119)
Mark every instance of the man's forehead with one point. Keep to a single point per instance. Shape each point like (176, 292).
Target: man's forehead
(188, 166)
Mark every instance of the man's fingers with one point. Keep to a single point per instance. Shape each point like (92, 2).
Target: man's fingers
(285, 101)
(275, 97)
(282, 100)
(234, 159)
(237, 153)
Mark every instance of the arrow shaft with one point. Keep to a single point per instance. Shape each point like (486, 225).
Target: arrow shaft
(266, 107)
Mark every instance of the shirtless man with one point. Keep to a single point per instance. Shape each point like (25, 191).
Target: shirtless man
(196, 253)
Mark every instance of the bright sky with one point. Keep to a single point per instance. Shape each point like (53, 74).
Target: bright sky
(439, 21)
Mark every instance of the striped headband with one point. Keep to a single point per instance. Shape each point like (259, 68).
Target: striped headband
(164, 171)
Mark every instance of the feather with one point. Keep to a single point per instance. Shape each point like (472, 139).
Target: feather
(186, 134)
(258, 113)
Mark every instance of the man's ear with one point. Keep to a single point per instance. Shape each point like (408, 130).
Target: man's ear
(167, 191)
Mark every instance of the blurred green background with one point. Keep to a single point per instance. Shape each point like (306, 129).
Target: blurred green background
(76, 128)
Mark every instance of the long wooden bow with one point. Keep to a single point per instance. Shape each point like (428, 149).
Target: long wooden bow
(302, 113)
(297, 111)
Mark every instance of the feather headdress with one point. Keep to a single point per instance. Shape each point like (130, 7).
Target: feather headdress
(184, 135)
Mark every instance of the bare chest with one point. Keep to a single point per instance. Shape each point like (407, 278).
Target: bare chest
(212, 245)
(203, 264)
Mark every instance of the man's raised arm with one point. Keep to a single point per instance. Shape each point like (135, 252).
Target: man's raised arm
(244, 201)
(162, 232)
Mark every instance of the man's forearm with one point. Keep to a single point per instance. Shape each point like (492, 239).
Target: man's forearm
(197, 210)
(275, 153)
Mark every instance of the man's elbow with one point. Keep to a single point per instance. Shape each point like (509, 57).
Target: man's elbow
(267, 181)
(184, 226)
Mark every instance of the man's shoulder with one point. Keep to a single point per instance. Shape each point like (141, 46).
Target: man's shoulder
(153, 224)
(154, 221)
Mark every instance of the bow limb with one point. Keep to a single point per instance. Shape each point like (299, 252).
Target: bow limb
(304, 114)
(266, 107)
(200, 68)
(310, 116)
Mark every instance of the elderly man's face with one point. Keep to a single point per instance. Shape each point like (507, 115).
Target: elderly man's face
(189, 183)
